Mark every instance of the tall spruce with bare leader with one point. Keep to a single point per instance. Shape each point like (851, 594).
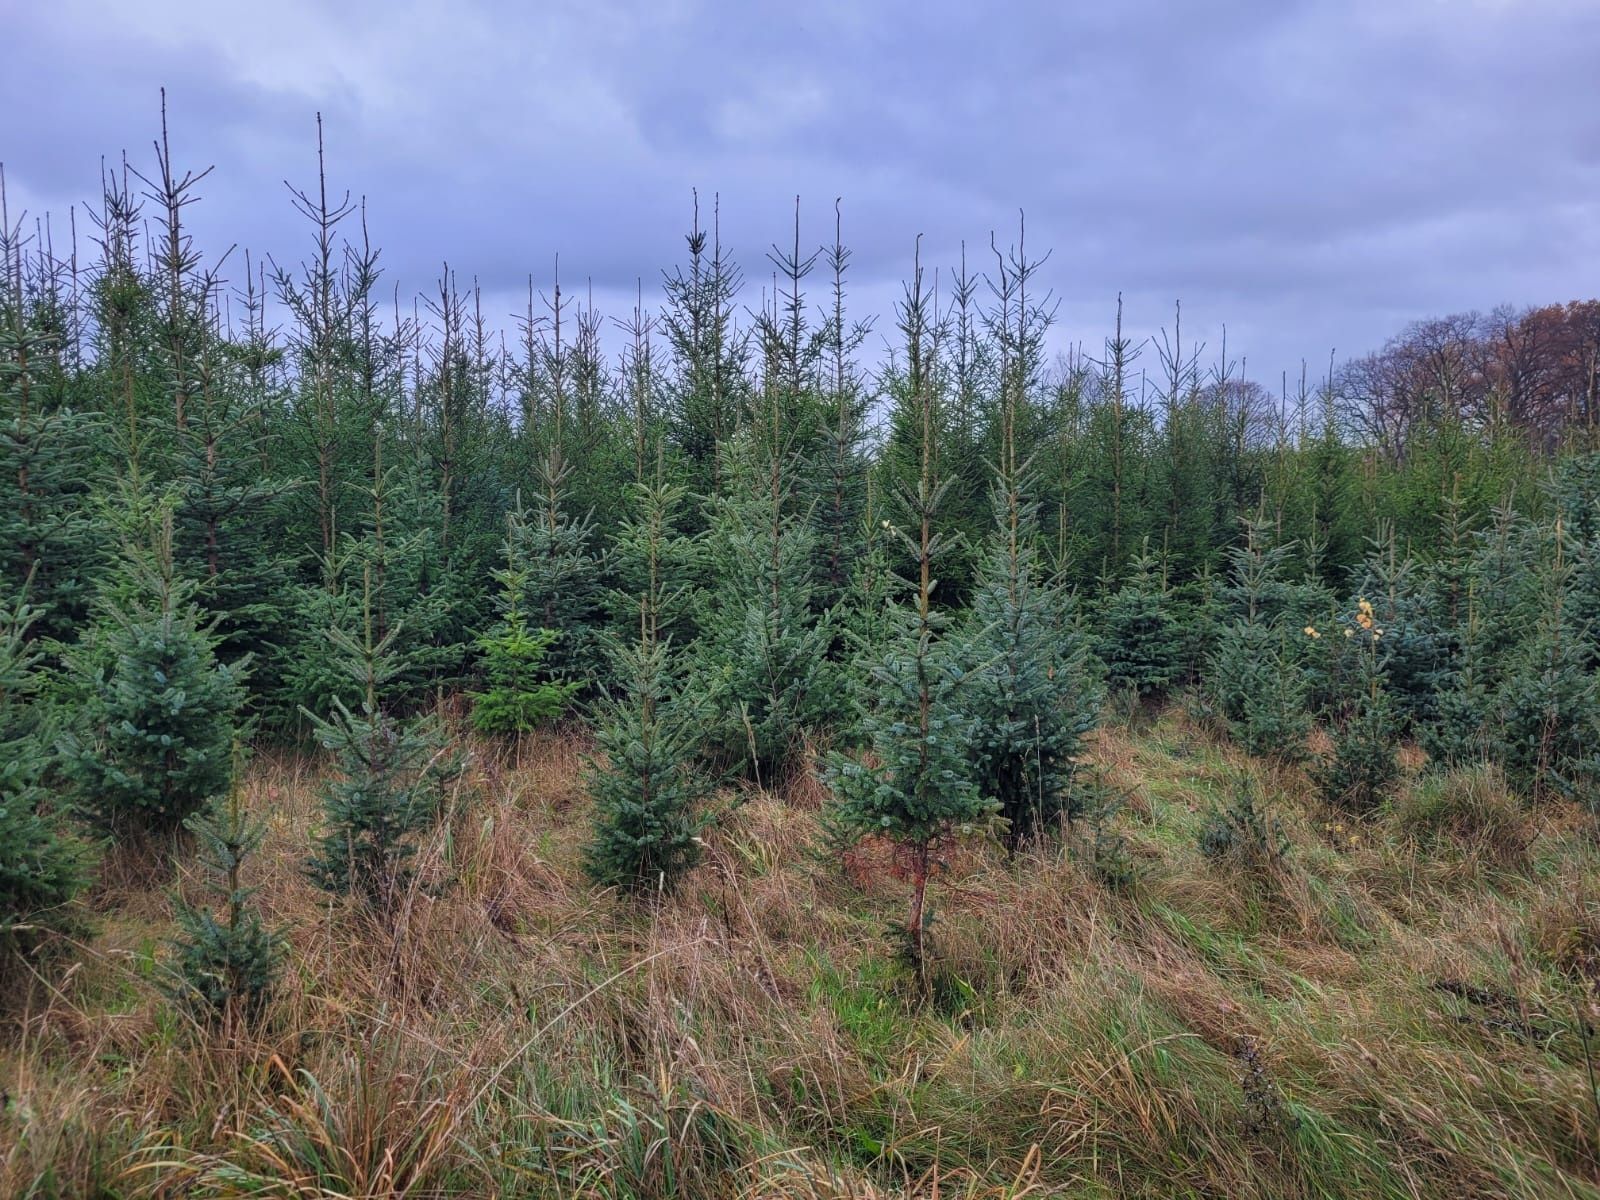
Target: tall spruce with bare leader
(552, 542)
(914, 787)
(46, 441)
(212, 433)
(842, 465)
(1032, 695)
(763, 662)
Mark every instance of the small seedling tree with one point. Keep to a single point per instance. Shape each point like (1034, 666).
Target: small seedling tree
(225, 959)
(389, 778)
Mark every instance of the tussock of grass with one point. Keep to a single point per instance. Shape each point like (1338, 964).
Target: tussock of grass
(1400, 1013)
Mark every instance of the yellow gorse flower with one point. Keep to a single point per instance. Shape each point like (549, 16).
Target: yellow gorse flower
(1364, 613)
(1311, 631)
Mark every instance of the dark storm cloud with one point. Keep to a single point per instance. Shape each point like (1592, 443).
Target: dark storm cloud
(1314, 174)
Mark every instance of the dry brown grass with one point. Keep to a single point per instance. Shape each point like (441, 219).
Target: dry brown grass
(519, 1033)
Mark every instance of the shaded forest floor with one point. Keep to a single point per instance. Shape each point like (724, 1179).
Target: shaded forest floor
(1394, 1008)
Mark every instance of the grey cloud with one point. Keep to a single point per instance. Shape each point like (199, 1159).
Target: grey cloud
(1312, 172)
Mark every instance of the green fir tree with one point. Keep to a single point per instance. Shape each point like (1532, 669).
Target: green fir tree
(1032, 695)
(225, 959)
(914, 787)
(153, 743)
(646, 786)
(520, 695)
(1257, 680)
(41, 867)
(1366, 738)
(1141, 640)
(389, 776)
(762, 663)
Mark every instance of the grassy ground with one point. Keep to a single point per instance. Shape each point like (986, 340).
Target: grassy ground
(1396, 1009)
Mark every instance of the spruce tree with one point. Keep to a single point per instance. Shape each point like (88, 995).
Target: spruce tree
(1483, 581)
(390, 774)
(1507, 589)
(1462, 731)
(599, 441)
(842, 465)
(645, 784)
(222, 532)
(1328, 465)
(705, 393)
(963, 367)
(914, 788)
(1367, 733)
(1416, 650)
(762, 663)
(308, 668)
(225, 959)
(788, 401)
(122, 322)
(563, 572)
(153, 742)
(1112, 485)
(570, 414)
(1575, 492)
(1140, 640)
(414, 594)
(1548, 705)
(865, 621)
(45, 453)
(1185, 467)
(414, 588)
(768, 631)
(327, 426)
(1257, 680)
(1032, 696)
(41, 868)
(1449, 572)
(520, 695)
(452, 402)
(651, 543)
(213, 436)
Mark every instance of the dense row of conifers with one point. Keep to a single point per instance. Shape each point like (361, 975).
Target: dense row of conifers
(735, 552)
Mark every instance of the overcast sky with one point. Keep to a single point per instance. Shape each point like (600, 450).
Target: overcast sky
(1310, 174)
